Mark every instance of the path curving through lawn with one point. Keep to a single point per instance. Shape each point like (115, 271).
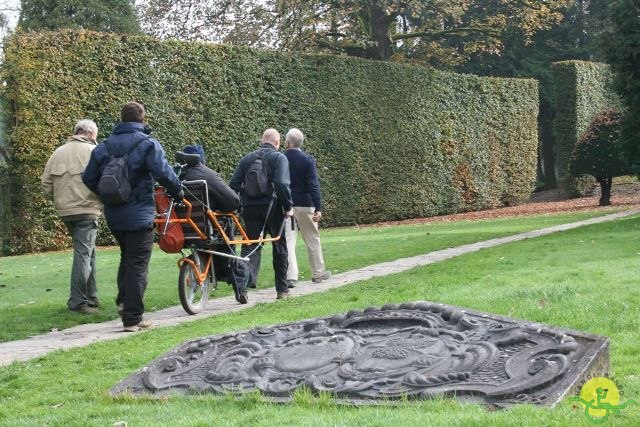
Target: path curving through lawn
(86, 334)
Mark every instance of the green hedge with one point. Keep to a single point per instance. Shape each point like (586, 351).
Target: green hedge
(582, 90)
(392, 141)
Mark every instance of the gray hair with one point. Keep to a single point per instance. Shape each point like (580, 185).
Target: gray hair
(85, 126)
(294, 137)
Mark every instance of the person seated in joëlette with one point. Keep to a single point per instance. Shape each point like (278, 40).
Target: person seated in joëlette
(221, 198)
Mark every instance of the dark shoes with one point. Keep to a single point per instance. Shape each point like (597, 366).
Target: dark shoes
(282, 295)
(85, 309)
(143, 324)
(324, 276)
(252, 285)
(94, 302)
(291, 283)
(242, 297)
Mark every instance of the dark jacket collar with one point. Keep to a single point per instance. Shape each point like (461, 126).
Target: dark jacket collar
(130, 127)
(267, 145)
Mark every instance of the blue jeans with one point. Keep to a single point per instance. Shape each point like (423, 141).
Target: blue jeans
(83, 270)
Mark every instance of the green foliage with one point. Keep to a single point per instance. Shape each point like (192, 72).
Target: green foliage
(392, 141)
(599, 152)
(623, 53)
(34, 288)
(582, 90)
(117, 16)
(570, 280)
(570, 39)
(436, 32)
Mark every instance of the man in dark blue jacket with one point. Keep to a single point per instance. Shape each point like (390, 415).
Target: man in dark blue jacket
(132, 222)
(268, 211)
(307, 209)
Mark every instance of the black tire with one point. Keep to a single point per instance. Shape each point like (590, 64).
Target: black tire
(193, 297)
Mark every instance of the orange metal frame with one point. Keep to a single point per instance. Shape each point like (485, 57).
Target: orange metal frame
(213, 217)
(200, 276)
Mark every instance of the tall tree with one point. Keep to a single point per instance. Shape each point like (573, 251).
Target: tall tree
(108, 15)
(234, 21)
(599, 153)
(9, 10)
(574, 37)
(622, 51)
(436, 31)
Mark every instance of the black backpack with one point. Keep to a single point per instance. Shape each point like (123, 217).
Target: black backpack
(114, 186)
(256, 180)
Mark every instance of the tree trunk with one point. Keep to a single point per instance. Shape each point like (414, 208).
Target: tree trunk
(547, 149)
(378, 24)
(605, 190)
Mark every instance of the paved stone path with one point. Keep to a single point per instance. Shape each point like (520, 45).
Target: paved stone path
(81, 335)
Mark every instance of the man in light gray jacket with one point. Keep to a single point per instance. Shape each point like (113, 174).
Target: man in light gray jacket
(78, 207)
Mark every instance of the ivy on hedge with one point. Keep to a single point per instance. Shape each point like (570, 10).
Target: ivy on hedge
(582, 90)
(392, 141)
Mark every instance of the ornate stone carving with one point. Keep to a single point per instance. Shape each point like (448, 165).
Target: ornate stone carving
(415, 350)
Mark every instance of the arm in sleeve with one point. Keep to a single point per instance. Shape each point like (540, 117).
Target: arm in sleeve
(46, 181)
(156, 162)
(91, 174)
(224, 198)
(237, 178)
(314, 184)
(282, 181)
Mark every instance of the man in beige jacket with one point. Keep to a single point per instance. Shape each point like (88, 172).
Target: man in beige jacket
(78, 208)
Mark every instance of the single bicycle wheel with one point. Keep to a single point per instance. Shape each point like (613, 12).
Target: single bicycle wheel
(193, 296)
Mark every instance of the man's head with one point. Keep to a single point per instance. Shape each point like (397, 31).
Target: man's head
(86, 127)
(195, 149)
(271, 136)
(294, 138)
(132, 112)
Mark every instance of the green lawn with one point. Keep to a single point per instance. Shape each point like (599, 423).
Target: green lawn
(34, 288)
(585, 279)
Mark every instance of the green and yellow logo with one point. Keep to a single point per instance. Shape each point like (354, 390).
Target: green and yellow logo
(600, 398)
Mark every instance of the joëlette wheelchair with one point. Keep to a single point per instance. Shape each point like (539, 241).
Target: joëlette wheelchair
(209, 249)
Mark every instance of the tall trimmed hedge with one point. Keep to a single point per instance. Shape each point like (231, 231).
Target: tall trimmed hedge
(582, 90)
(392, 141)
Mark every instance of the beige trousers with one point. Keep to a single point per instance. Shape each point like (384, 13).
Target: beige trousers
(311, 237)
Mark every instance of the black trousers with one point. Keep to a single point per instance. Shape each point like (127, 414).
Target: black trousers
(135, 252)
(254, 218)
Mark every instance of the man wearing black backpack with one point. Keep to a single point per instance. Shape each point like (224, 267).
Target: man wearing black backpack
(121, 171)
(262, 179)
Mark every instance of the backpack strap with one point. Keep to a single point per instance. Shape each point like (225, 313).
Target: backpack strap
(262, 154)
(133, 147)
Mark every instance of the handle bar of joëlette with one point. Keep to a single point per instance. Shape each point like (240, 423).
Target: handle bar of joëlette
(213, 217)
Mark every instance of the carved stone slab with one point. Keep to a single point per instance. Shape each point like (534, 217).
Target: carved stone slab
(413, 350)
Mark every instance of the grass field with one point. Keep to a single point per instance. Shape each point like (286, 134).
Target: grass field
(34, 288)
(584, 279)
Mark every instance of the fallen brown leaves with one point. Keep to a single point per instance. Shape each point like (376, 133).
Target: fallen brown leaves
(624, 196)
